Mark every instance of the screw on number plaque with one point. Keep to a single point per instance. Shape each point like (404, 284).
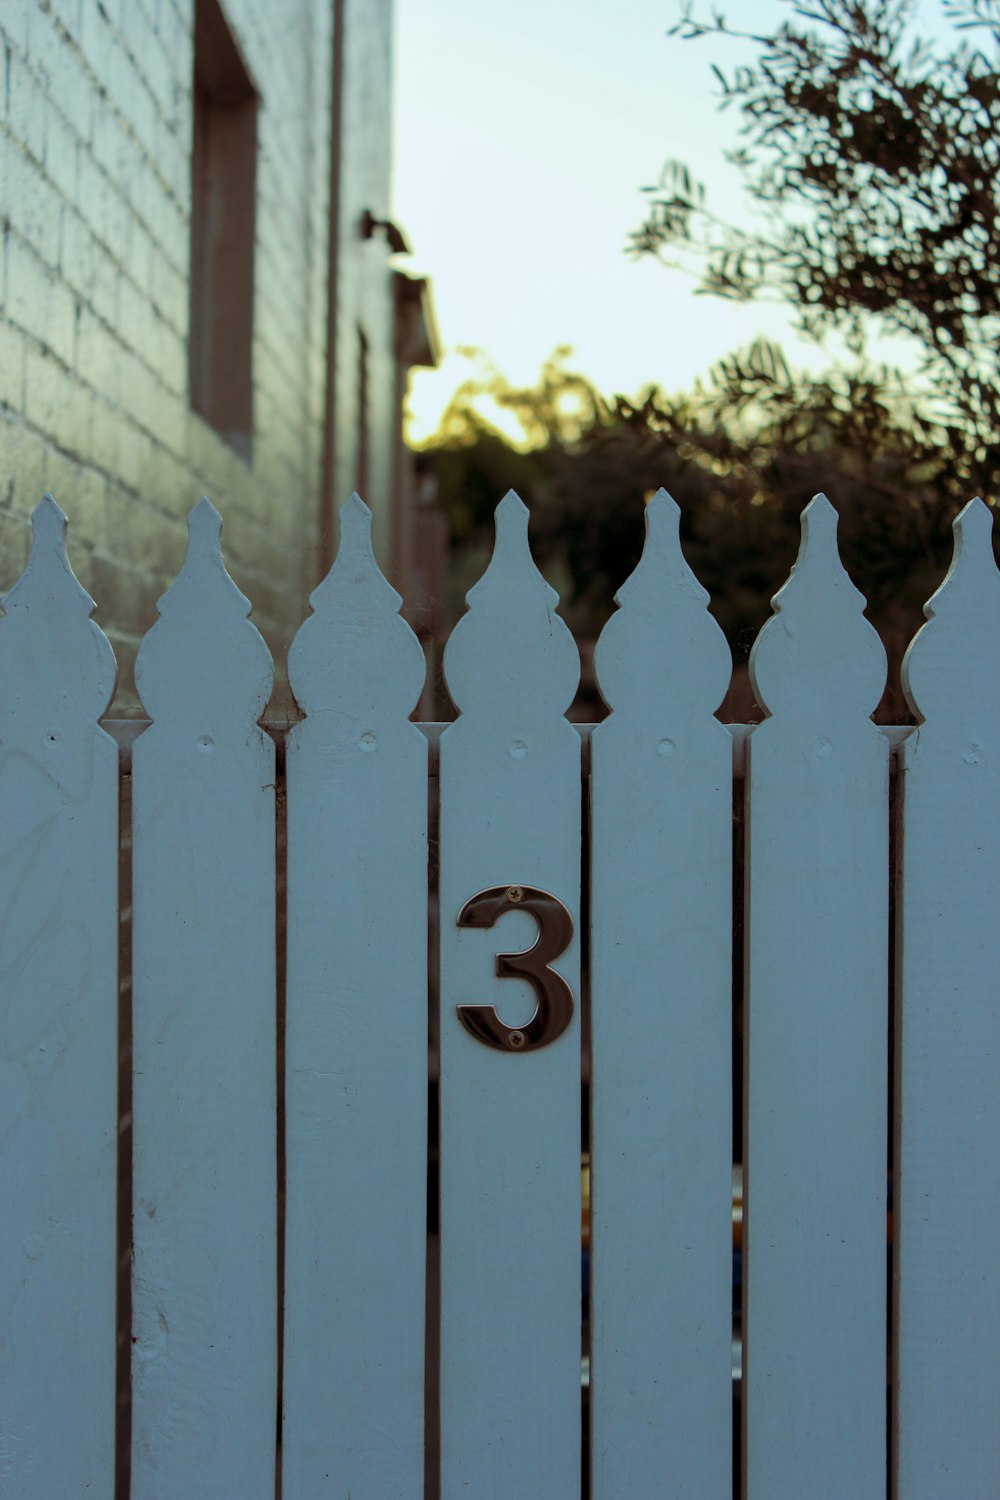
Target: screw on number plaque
(554, 1010)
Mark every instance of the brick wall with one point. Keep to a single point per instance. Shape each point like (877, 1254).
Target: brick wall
(95, 197)
(364, 292)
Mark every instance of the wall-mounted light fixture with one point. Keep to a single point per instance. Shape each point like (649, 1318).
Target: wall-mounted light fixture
(394, 235)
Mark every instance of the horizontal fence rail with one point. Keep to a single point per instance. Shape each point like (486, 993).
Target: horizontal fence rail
(327, 1289)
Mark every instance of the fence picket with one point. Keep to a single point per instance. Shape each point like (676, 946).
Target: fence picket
(510, 1119)
(58, 1032)
(205, 1274)
(948, 1038)
(661, 1115)
(356, 1042)
(816, 1037)
(205, 1212)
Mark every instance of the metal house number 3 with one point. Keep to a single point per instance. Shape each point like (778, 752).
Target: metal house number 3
(555, 998)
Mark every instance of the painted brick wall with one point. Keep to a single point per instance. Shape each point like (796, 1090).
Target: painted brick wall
(364, 291)
(95, 197)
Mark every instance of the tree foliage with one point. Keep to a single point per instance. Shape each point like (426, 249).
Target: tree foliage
(741, 455)
(876, 156)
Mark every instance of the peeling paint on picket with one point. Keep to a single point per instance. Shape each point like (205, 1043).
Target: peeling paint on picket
(204, 1281)
(815, 1059)
(207, 1411)
(661, 1036)
(58, 1032)
(510, 1123)
(356, 1051)
(948, 1037)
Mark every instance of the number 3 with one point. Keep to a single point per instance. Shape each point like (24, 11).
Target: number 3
(555, 998)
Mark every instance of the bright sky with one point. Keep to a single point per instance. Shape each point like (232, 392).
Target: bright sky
(524, 131)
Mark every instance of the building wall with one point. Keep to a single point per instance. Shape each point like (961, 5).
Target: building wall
(95, 194)
(364, 280)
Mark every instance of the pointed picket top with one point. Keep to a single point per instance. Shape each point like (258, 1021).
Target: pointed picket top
(203, 660)
(355, 654)
(355, 570)
(818, 656)
(511, 652)
(662, 648)
(48, 566)
(958, 645)
(56, 664)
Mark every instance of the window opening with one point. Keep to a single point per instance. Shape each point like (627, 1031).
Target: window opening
(223, 203)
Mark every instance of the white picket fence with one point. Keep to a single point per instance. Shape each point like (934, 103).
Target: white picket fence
(207, 1309)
